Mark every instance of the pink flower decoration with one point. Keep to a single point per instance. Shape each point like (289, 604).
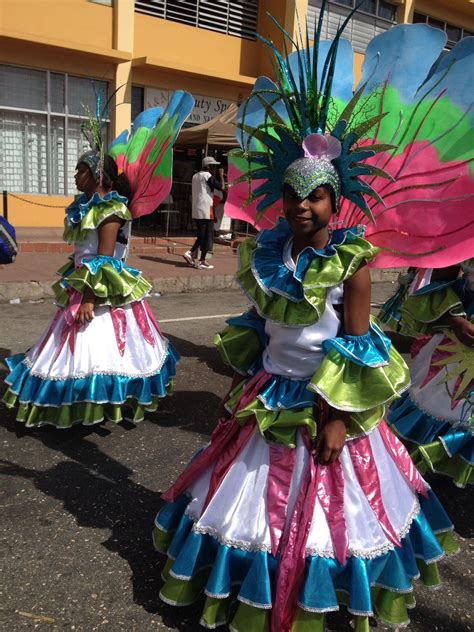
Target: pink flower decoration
(320, 146)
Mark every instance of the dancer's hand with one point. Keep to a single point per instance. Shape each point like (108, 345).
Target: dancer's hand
(330, 441)
(463, 330)
(85, 313)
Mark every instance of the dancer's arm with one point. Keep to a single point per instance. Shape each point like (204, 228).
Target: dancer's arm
(108, 232)
(332, 436)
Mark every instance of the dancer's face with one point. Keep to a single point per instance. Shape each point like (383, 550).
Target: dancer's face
(310, 215)
(84, 178)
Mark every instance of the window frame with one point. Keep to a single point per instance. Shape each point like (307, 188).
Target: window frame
(49, 113)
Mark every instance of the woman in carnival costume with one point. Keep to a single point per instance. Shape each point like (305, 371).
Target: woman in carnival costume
(104, 348)
(304, 499)
(435, 418)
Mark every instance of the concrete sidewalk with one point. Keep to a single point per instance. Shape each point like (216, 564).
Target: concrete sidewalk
(42, 253)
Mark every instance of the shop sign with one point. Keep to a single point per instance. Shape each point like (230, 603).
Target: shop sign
(205, 108)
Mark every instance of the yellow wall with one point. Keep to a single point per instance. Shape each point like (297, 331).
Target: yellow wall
(456, 12)
(185, 49)
(22, 213)
(76, 22)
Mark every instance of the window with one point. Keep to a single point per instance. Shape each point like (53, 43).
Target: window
(41, 115)
(138, 101)
(373, 17)
(453, 33)
(233, 17)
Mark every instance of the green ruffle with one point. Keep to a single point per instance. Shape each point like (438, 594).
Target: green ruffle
(433, 458)
(85, 413)
(94, 218)
(391, 607)
(239, 347)
(420, 312)
(281, 426)
(350, 387)
(323, 274)
(109, 286)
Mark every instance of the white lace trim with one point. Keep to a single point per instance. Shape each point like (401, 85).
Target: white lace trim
(187, 578)
(212, 626)
(249, 602)
(170, 602)
(319, 610)
(375, 551)
(237, 544)
(28, 363)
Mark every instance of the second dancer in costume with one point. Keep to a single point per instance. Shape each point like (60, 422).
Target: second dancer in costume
(103, 351)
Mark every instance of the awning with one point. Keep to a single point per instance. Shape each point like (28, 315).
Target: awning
(219, 131)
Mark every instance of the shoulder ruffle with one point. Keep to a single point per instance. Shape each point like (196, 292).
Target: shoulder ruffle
(84, 215)
(295, 296)
(421, 310)
(112, 282)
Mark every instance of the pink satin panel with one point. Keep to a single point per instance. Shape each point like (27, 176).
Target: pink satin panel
(293, 551)
(70, 312)
(400, 455)
(120, 327)
(330, 491)
(368, 477)
(140, 314)
(151, 316)
(54, 322)
(223, 436)
(282, 464)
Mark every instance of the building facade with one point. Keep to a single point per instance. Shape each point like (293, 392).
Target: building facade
(55, 57)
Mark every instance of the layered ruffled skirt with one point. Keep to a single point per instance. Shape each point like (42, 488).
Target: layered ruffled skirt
(117, 365)
(435, 417)
(259, 522)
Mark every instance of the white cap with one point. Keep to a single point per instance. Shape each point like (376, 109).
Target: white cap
(208, 161)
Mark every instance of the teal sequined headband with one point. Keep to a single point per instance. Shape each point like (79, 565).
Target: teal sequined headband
(315, 169)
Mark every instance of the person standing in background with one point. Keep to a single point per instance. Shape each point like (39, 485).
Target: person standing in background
(204, 183)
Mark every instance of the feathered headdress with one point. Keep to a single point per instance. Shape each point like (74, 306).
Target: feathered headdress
(400, 144)
(145, 155)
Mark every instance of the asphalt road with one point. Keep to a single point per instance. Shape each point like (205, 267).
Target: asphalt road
(77, 505)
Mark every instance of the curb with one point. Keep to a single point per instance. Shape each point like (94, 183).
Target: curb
(39, 290)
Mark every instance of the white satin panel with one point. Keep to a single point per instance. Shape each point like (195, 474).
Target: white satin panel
(238, 516)
(297, 352)
(96, 350)
(90, 246)
(433, 398)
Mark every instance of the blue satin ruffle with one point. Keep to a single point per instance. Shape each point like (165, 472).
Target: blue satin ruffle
(97, 388)
(372, 349)
(416, 426)
(76, 211)
(255, 571)
(95, 262)
(269, 267)
(282, 393)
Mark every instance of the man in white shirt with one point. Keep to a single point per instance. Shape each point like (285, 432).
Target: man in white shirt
(203, 184)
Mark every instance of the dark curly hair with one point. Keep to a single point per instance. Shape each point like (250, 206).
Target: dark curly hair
(113, 180)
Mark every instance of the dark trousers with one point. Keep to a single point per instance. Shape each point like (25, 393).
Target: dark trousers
(205, 237)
